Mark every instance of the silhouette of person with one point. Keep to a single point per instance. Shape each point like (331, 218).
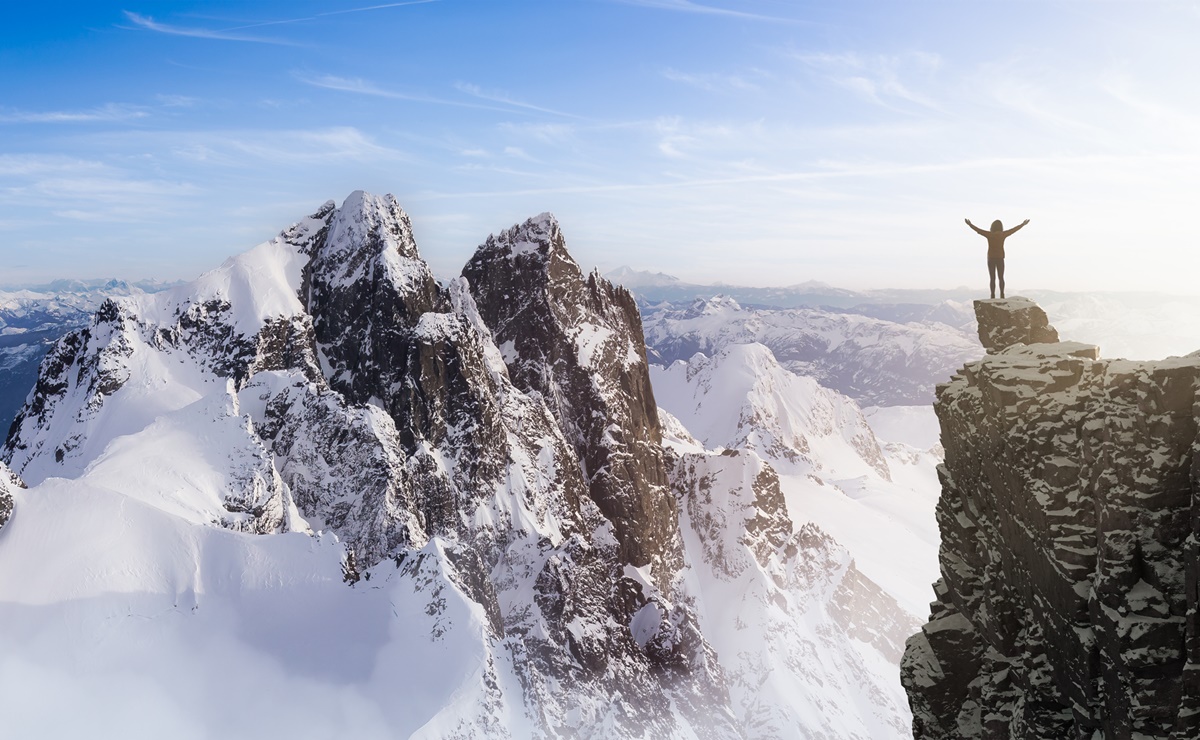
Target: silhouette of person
(996, 238)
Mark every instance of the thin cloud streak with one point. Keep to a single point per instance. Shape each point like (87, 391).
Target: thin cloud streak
(476, 91)
(713, 82)
(110, 112)
(332, 12)
(149, 24)
(836, 171)
(687, 6)
(362, 87)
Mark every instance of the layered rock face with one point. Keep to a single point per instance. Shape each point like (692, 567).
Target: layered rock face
(577, 342)
(1067, 605)
(1004, 322)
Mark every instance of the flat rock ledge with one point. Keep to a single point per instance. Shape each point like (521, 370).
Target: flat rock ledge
(1004, 322)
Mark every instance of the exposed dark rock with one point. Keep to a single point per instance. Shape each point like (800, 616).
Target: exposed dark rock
(1004, 322)
(577, 341)
(9, 482)
(1066, 607)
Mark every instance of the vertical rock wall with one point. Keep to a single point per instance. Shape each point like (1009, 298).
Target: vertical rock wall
(1067, 602)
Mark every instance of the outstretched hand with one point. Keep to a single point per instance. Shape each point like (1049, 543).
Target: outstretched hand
(968, 221)
(1025, 222)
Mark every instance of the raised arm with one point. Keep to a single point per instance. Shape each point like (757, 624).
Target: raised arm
(1016, 228)
(977, 229)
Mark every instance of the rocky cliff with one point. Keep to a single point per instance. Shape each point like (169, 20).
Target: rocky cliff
(1070, 563)
(577, 342)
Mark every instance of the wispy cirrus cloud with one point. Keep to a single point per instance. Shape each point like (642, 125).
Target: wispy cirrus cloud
(878, 78)
(234, 33)
(28, 165)
(715, 81)
(318, 16)
(365, 87)
(687, 6)
(105, 113)
(506, 99)
(147, 23)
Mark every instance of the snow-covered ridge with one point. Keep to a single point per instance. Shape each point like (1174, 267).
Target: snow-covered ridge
(784, 416)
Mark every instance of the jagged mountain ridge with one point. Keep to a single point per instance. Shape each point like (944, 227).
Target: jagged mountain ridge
(32, 319)
(330, 357)
(505, 487)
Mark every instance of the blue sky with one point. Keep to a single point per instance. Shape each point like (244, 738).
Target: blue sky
(762, 142)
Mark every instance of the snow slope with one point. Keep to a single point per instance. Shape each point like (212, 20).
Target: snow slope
(875, 500)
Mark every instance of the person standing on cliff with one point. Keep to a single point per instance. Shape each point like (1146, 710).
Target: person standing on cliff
(996, 239)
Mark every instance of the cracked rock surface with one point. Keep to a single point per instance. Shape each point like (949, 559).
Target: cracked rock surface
(1066, 606)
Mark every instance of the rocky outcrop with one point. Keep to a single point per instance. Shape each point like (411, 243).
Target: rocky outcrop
(9, 482)
(1004, 322)
(1070, 560)
(577, 342)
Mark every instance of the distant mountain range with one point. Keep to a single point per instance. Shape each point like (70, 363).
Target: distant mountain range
(1133, 325)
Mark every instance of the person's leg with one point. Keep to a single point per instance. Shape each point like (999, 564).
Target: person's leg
(1000, 273)
(992, 275)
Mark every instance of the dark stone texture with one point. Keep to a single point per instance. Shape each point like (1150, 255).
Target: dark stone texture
(577, 341)
(9, 482)
(1004, 322)
(1069, 551)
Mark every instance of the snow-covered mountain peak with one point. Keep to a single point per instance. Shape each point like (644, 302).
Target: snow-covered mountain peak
(576, 340)
(715, 306)
(537, 241)
(741, 397)
(538, 235)
(370, 238)
(365, 218)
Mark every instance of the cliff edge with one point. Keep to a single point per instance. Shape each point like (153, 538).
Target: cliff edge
(1067, 604)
